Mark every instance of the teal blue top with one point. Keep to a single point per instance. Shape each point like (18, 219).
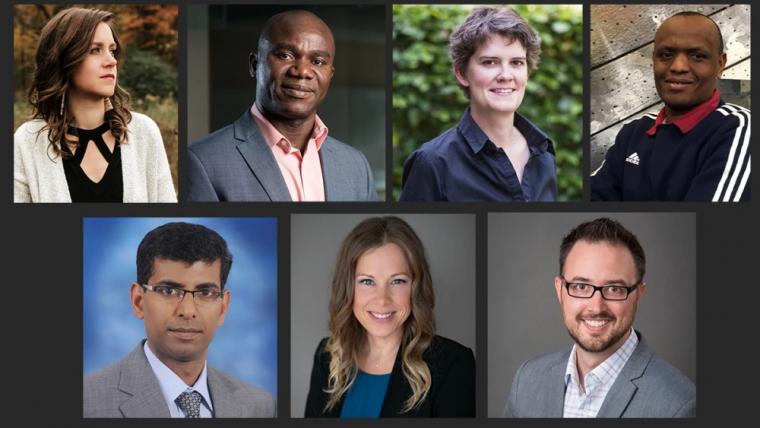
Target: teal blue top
(365, 397)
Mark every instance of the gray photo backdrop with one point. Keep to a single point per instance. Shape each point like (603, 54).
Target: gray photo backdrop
(449, 241)
(524, 319)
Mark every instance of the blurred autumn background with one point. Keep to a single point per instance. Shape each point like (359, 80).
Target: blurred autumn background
(148, 69)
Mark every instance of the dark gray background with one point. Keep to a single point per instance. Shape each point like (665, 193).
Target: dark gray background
(524, 318)
(449, 241)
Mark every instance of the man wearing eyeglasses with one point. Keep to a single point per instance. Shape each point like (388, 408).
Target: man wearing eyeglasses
(179, 294)
(609, 371)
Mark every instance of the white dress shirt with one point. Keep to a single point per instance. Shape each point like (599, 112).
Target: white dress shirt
(172, 386)
(586, 403)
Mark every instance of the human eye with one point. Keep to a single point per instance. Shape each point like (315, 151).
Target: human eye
(166, 291)
(366, 281)
(489, 62)
(283, 55)
(399, 281)
(207, 293)
(578, 286)
(319, 61)
(518, 62)
(95, 50)
(699, 56)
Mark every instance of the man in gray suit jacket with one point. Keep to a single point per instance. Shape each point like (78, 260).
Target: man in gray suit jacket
(610, 371)
(181, 272)
(279, 149)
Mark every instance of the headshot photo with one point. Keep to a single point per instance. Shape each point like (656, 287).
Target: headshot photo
(180, 317)
(382, 315)
(670, 103)
(592, 315)
(487, 102)
(95, 103)
(286, 103)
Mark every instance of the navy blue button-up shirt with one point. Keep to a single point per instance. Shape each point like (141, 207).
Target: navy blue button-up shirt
(462, 164)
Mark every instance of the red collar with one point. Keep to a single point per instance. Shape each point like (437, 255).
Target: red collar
(688, 121)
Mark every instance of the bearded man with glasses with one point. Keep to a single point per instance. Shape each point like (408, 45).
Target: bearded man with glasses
(609, 371)
(179, 294)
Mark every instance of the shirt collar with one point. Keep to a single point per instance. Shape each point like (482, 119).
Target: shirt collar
(171, 384)
(609, 369)
(538, 142)
(691, 119)
(274, 137)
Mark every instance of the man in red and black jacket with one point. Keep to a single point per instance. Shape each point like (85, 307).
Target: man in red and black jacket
(698, 147)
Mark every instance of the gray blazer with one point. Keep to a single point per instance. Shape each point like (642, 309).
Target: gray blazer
(129, 389)
(236, 164)
(648, 387)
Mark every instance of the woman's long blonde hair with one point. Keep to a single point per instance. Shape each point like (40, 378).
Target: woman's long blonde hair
(64, 42)
(348, 338)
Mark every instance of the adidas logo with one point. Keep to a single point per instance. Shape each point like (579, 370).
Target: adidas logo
(633, 158)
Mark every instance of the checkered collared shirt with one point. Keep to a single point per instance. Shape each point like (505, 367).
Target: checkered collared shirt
(597, 382)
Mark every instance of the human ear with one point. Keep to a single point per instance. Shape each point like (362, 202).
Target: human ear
(252, 62)
(136, 300)
(223, 309)
(460, 77)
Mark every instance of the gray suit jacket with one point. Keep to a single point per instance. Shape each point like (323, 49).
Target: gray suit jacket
(129, 389)
(648, 387)
(236, 164)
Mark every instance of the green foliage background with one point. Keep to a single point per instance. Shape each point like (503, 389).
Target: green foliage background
(427, 100)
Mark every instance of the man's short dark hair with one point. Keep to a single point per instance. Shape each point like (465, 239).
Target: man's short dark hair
(692, 13)
(604, 230)
(184, 242)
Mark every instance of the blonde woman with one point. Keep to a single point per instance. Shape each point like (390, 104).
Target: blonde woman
(383, 357)
(83, 144)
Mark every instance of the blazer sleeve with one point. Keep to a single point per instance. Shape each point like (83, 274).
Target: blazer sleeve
(199, 187)
(371, 192)
(456, 392)
(317, 398)
(510, 410)
(420, 181)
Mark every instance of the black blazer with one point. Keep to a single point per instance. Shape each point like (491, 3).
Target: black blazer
(452, 391)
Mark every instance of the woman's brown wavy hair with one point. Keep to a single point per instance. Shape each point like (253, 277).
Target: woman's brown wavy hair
(64, 42)
(348, 338)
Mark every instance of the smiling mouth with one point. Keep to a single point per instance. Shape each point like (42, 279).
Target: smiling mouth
(296, 91)
(678, 84)
(185, 333)
(503, 91)
(381, 316)
(595, 324)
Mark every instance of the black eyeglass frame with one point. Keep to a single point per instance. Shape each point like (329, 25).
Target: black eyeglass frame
(628, 289)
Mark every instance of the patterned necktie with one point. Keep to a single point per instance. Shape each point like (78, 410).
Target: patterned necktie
(190, 403)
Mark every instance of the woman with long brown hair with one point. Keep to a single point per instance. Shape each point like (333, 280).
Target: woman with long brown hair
(383, 357)
(83, 144)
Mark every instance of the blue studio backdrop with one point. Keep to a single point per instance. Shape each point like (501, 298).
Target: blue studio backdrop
(244, 347)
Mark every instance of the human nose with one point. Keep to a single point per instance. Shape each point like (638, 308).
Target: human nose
(186, 307)
(110, 60)
(383, 294)
(301, 68)
(596, 302)
(680, 63)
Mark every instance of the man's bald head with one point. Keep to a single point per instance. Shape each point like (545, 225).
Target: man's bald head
(690, 13)
(294, 20)
(293, 67)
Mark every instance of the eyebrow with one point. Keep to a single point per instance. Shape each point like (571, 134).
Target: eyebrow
(174, 284)
(608, 282)
(103, 44)
(287, 46)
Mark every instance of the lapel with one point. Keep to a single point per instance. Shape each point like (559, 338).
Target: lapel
(624, 388)
(555, 398)
(398, 391)
(138, 381)
(259, 158)
(330, 171)
(225, 405)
